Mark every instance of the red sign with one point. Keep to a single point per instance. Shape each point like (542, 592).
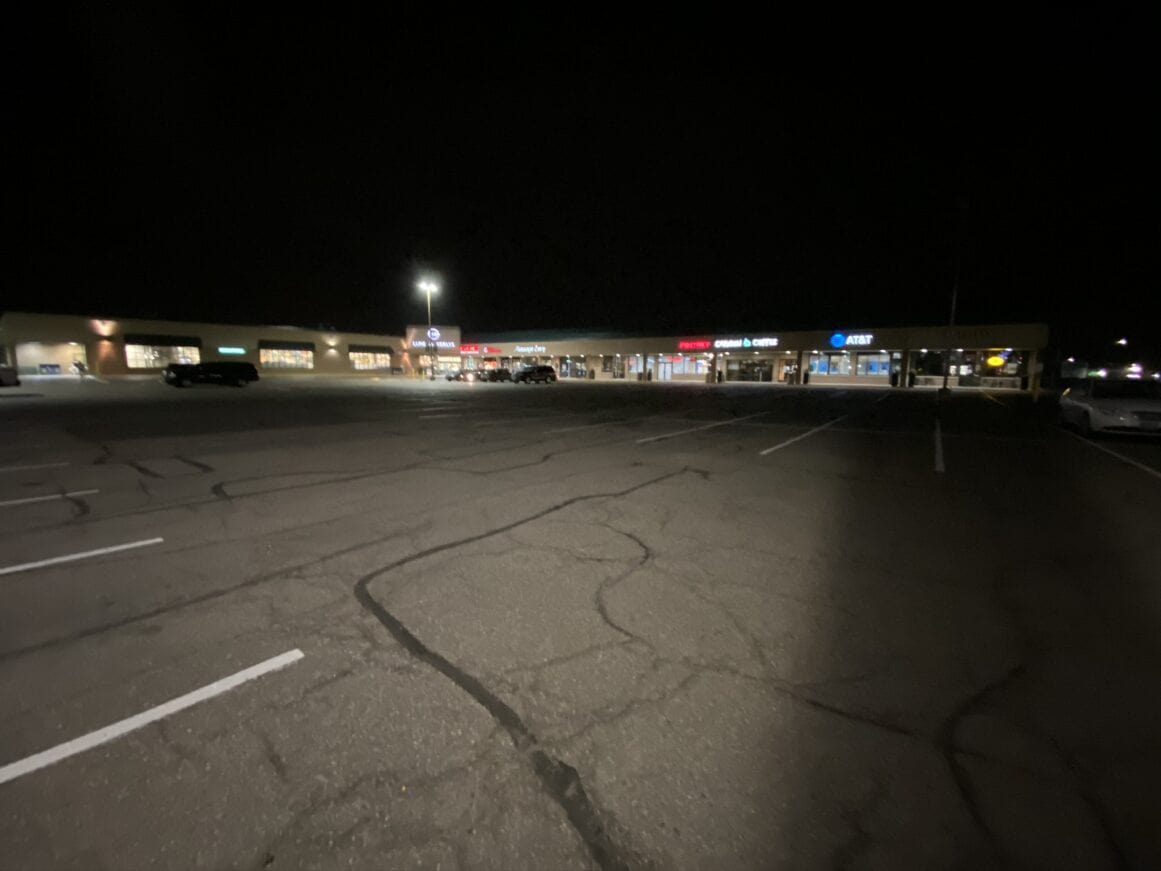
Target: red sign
(469, 349)
(694, 344)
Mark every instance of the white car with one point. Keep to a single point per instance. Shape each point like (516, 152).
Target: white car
(1113, 406)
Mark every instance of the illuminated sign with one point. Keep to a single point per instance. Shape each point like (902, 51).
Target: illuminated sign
(531, 349)
(421, 339)
(846, 340)
(747, 342)
(231, 350)
(694, 344)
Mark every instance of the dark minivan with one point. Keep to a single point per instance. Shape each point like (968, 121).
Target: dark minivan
(231, 373)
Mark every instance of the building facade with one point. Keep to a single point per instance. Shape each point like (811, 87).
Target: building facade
(985, 356)
(41, 344)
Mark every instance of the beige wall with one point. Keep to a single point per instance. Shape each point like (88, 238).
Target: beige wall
(103, 340)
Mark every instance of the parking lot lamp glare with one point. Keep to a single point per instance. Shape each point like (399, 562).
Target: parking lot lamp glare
(429, 287)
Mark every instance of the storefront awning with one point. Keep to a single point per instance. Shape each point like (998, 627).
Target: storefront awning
(281, 345)
(162, 340)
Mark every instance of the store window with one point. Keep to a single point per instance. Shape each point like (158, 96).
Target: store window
(160, 356)
(286, 358)
(873, 364)
(368, 360)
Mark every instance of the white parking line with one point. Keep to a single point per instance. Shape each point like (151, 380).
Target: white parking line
(68, 558)
(585, 426)
(103, 736)
(939, 467)
(30, 468)
(1149, 470)
(670, 435)
(801, 436)
(32, 499)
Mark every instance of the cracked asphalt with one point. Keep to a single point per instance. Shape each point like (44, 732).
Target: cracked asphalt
(577, 626)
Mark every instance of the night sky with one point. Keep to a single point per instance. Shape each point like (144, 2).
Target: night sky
(600, 174)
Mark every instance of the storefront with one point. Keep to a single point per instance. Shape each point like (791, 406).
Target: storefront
(998, 356)
(40, 344)
(991, 356)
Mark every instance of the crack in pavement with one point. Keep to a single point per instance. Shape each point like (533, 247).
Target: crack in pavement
(560, 780)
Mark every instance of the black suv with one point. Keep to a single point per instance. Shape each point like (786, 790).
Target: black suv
(530, 374)
(220, 372)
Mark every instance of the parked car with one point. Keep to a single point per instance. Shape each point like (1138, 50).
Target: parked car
(218, 372)
(530, 374)
(496, 375)
(1114, 406)
(8, 377)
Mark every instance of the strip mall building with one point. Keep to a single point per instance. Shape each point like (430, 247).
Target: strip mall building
(989, 356)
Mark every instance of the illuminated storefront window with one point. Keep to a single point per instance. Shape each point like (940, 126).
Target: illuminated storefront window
(370, 360)
(286, 358)
(873, 364)
(160, 356)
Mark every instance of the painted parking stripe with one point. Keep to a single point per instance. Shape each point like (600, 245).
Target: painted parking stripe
(30, 468)
(680, 432)
(584, 426)
(1148, 470)
(801, 436)
(116, 730)
(68, 558)
(32, 499)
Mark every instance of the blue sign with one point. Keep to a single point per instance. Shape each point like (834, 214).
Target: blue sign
(838, 340)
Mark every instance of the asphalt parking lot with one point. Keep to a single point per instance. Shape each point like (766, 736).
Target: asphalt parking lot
(445, 625)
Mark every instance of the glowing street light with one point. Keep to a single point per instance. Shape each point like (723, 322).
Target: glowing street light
(429, 287)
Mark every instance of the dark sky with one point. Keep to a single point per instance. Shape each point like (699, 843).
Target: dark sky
(605, 174)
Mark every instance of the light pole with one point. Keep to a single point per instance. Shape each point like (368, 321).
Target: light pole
(429, 287)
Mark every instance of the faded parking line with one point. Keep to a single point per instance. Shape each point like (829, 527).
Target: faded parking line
(1148, 470)
(30, 468)
(123, 727)
(68, 558)
(801, 436)
(29, 500)
(670, 435)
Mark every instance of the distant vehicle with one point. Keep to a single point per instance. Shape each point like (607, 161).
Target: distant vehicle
(496, 375)
(8, 377)
(530, 374)
(1115, 406)
(218, 372)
